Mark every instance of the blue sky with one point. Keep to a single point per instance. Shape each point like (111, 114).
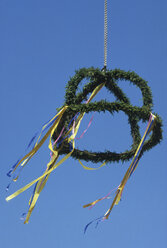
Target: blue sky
(42, 44)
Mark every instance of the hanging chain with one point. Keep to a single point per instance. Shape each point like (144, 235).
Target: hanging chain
(105, 34)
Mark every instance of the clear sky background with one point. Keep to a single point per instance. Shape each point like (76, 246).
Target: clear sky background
(42, 44)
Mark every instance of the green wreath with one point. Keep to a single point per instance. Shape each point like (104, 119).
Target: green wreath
(135, 114)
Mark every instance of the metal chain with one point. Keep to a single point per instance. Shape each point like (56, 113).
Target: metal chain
(105, 34)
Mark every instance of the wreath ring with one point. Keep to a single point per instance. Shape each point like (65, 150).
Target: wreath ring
(135, 114)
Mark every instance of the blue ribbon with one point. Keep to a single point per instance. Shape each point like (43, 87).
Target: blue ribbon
(31, 142)
(98, 220)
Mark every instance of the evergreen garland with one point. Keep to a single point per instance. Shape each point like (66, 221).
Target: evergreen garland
(75, 104)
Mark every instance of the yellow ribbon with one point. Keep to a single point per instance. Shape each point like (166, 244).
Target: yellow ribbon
(38, 145)
(49, 171)
(128, 172)
(90, 168)
(131, 168)
(41, 181)
(39, 187)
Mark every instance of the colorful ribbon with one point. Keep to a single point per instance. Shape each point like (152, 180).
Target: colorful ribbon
(128, 173)
(53, 164)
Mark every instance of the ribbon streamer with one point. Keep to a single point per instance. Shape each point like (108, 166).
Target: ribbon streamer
(128, 173)
(53, 164)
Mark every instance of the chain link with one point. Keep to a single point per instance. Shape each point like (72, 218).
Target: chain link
(105, 33)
